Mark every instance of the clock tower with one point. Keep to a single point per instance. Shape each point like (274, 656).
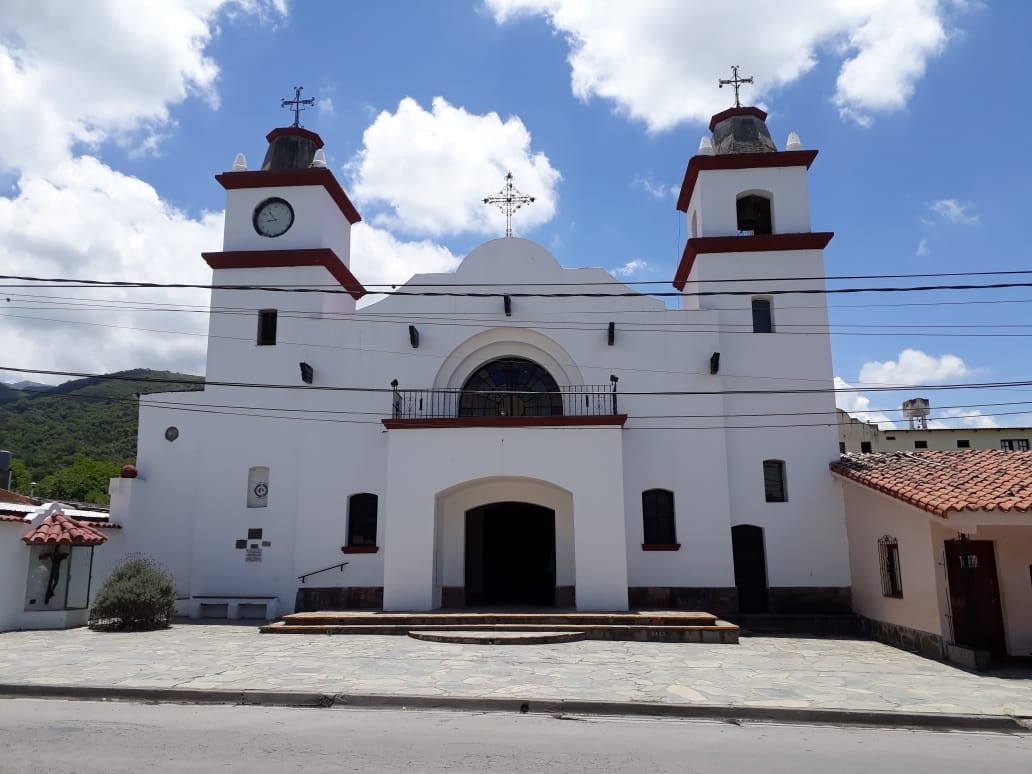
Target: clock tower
(288, 225)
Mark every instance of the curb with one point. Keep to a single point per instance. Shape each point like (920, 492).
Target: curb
(727, 713)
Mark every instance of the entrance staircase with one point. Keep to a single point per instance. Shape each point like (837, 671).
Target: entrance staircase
(640, 625)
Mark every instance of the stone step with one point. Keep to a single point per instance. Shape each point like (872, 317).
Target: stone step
(559, 619)
(717, 632)
(466, 637)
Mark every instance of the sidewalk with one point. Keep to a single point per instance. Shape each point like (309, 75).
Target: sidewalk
(761, 672)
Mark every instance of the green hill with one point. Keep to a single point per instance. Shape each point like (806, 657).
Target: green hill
(94, 418)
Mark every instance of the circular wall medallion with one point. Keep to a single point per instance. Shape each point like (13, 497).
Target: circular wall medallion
(261, 489)
(171, 433)
(273, 217)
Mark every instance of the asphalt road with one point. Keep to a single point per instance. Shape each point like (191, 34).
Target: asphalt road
(42, 736)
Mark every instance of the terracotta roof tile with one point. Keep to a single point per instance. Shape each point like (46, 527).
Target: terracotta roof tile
(944, 481)
(12, 517)
(58, 529)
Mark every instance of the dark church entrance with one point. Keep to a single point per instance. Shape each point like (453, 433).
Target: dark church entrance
(750, 568)
(510, 555)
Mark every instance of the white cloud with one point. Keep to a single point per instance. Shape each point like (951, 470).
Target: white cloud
(962, 418)
(659, 60)
(75, 76)
(922, 248)
(380, 258)
(954, 211)
(654, 189)
(632, 268)
(914, 367)
(431, 170)
(849, 400)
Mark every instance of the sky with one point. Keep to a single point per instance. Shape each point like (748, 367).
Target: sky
(117, 114)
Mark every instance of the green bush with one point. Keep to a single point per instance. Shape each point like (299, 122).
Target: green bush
(139, 595)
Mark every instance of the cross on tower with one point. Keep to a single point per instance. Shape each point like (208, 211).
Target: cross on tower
(508, 200)
(736, 82)
(296, 104)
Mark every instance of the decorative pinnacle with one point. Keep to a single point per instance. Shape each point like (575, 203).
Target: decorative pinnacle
(508, 200)
(297, 104)
(736, 82)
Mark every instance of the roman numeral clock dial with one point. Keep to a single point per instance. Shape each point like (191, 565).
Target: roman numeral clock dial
(273, 217)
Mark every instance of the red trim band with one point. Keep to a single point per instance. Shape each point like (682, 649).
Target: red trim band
(284, 259)
(359, 549)
(291, 178)
(616, 420)
(758, 243)
(660, 546)
(697, 164)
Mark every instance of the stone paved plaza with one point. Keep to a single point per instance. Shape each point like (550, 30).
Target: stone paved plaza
(759, 672)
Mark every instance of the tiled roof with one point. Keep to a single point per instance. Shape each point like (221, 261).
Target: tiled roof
(18, 518)
(6, 496)
(58, 529)
(944, 481)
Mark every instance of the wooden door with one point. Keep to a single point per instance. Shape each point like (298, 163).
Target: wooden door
(975, 595)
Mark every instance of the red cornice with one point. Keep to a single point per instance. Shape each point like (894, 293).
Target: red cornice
(291, 178)
(282, 259)
(759, 243)
(359, 549)
(660, 546)
(616, 420)
(736, 111)
(697, 164)
(295, 131)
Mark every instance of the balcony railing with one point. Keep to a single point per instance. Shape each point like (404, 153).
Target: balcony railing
(592, 400)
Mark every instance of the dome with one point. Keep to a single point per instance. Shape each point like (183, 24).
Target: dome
(741, 130)
(291, 147)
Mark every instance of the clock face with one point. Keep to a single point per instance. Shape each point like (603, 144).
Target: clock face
(273, 217)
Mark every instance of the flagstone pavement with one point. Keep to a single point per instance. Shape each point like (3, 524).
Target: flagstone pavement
(759, 672)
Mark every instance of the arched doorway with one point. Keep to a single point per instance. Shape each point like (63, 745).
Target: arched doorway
(511, 386)
(750, 560)
(510, 555)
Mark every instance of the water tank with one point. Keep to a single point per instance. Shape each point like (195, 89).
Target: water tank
(5, 469)
(916, 411)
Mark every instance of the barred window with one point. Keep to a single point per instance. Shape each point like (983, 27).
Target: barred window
(657, 508)
(774, 481)
(888, 557)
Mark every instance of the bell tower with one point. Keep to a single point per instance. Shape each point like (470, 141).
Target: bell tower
(286, 224)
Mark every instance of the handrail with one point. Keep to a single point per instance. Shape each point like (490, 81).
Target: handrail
(338, 566)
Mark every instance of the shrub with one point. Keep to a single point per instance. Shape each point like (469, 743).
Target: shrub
(139, 595)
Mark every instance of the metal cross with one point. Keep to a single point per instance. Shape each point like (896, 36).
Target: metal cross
(736, 82)
(508, 200)
(297, 103)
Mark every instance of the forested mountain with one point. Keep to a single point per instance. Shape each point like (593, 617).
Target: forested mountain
(51, 431)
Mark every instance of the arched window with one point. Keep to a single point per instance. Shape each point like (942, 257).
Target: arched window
(774, 481)
(258, 487)
(754, 215)
(362, 519)
(513, 387)
(657, 511)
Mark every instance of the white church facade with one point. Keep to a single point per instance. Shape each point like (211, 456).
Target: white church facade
(497, 436)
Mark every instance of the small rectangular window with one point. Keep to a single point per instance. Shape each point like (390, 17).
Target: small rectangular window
(762, 316)
(774, 481)
(267, 327)
(657, 506)
(1014, 444)
(890, 438)
(362, 519)
(842, 447)
(892, 580)
(865, 447)
(963, 444)
(920, 444)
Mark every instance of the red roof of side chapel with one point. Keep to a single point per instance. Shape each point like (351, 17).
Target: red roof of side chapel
(944, 481)
(58, 529)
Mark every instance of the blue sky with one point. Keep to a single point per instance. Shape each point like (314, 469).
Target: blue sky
(119, 119)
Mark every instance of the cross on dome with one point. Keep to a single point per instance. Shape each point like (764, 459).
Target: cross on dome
(297, 104)
(735, 81)
(508, 200)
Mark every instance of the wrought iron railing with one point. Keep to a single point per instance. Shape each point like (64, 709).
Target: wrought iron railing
(580, 401)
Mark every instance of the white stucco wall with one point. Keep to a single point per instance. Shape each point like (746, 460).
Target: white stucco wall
(716, 194)
(14, 559)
